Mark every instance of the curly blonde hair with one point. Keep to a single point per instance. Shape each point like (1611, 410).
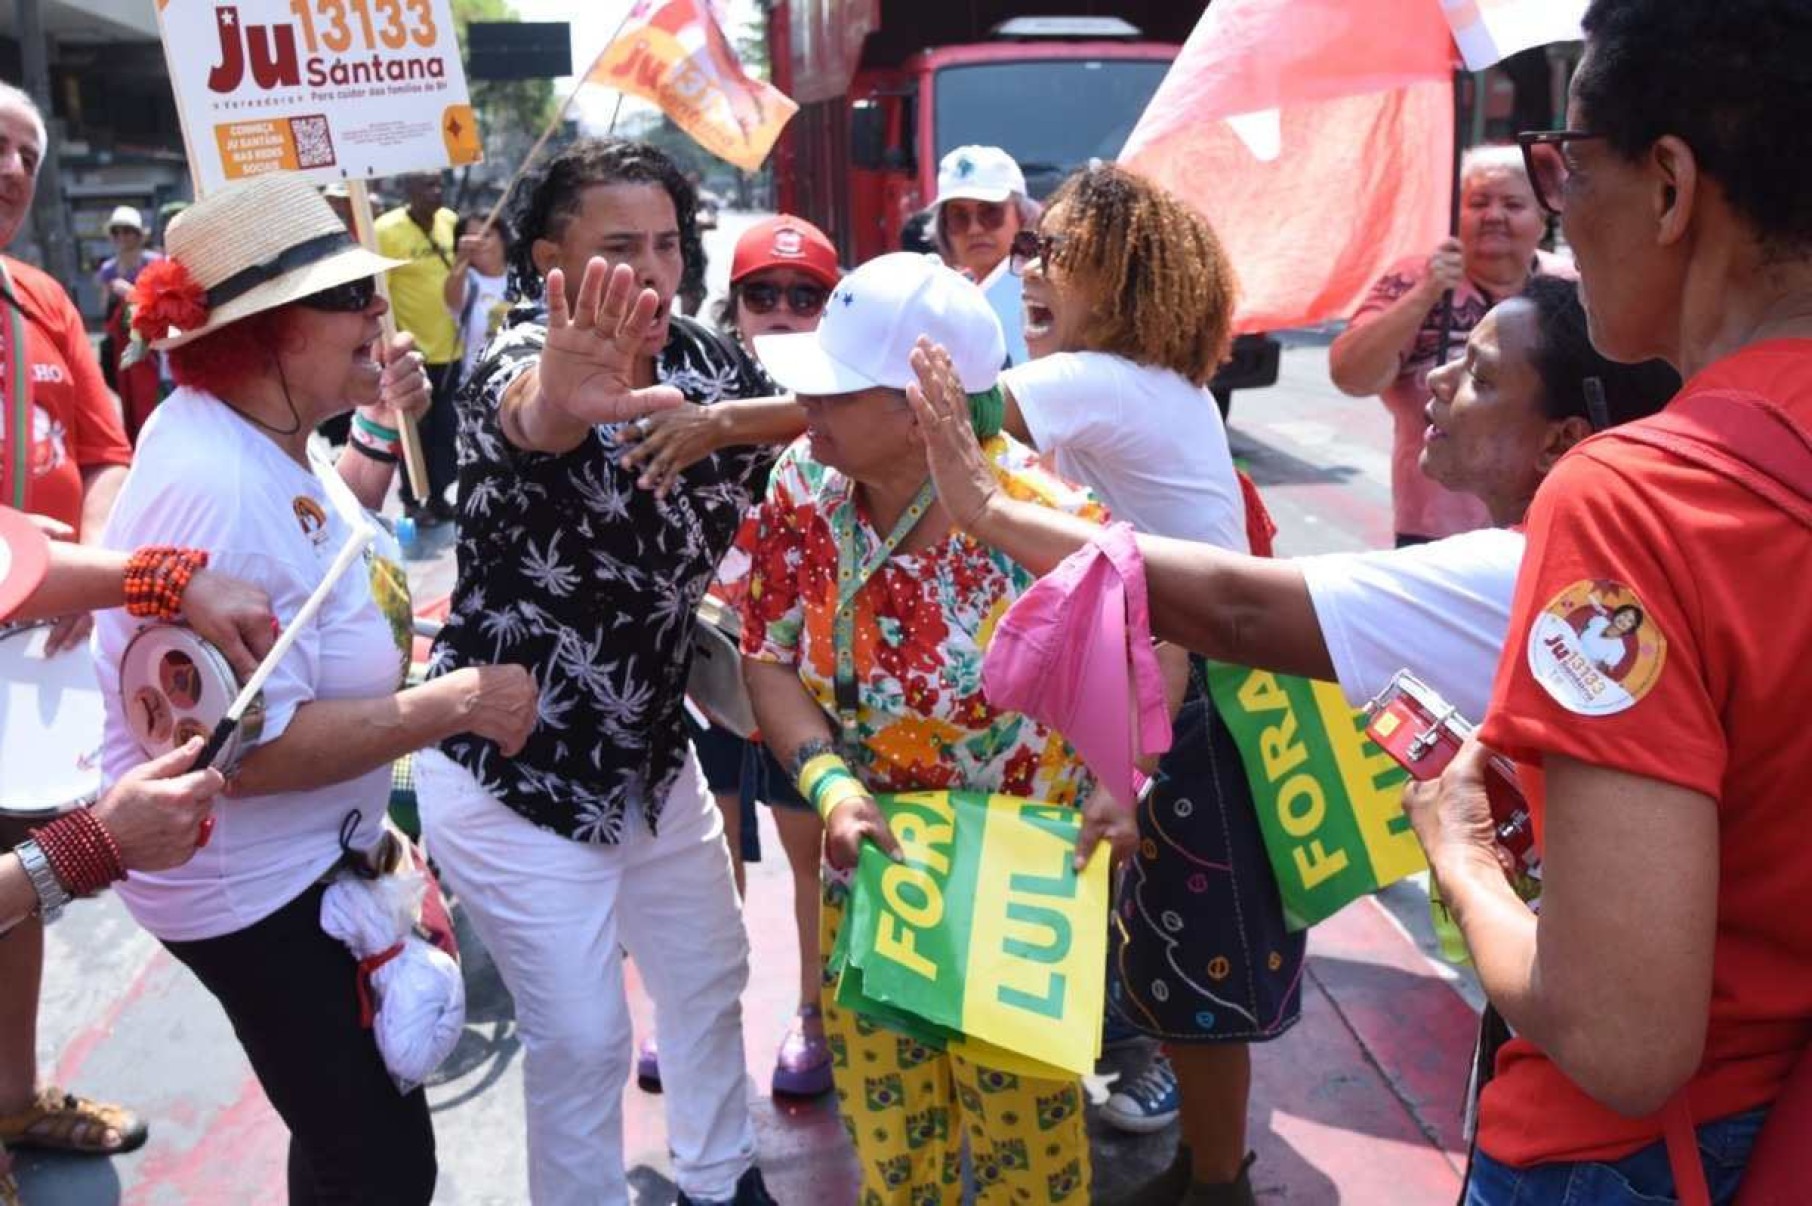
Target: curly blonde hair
(1162, 287)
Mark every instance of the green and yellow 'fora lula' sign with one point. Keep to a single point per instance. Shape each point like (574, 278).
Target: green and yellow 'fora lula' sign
(1330, 802)
(983, 938)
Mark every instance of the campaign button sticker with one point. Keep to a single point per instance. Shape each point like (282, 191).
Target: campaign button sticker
(1595, 649)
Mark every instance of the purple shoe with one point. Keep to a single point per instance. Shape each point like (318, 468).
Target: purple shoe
(648, 1066)
(803, 1067)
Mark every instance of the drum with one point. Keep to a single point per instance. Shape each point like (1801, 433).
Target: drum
(51, 716)
(175, 686)
(715, 682)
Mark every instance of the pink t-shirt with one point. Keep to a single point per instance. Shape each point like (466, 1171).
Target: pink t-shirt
(1422, 507)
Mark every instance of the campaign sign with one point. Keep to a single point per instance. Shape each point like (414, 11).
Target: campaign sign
(984, 930)
(1330, 802)
(334, 89)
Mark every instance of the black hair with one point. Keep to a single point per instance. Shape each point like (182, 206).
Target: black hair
(550, 195)
(1631, 609)
(1567, 363)
(468, 223)
(1732, 79)
(723, 312)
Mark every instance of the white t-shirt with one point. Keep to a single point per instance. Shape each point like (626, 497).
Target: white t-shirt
(1438, 610)
(1147, 441)
(482, 314)
(203, 477)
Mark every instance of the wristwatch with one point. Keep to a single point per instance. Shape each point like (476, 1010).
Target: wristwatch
(52, 895)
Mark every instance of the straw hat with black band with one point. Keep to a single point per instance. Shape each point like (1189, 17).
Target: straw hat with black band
(260, 244)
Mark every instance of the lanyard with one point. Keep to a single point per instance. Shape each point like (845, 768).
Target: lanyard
(18, 396)
(851, 578)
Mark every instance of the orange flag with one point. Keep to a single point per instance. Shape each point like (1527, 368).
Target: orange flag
(1317, 137)
(674, 53)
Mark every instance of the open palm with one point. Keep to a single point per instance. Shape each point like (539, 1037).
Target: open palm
(587, 365)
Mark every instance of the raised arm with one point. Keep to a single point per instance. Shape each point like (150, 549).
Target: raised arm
(582, 377)
(670, 442)
(1252, 611)
(1366, 357)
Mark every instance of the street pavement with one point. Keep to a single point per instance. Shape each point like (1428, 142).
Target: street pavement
(1358, 1104)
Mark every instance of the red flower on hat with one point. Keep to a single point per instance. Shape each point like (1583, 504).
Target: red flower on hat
(165, 299)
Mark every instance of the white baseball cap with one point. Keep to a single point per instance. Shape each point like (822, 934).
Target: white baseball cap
(127, 217)
(978, 174)
(874, 318)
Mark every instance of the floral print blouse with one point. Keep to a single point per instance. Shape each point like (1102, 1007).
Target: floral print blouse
(922, 626)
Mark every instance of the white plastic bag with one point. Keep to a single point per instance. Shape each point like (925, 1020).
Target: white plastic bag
(417, 996)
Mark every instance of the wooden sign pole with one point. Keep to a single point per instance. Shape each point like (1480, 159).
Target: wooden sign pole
(359, 198)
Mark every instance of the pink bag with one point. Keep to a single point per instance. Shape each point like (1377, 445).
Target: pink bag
(1061, 656)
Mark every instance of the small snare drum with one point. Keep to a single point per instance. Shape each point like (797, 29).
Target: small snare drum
(715, 681)
(1423, 732)
(175, 686)
(51, 718)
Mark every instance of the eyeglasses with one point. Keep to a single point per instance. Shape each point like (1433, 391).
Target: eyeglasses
(1544, 157)
(805, 301)
(1029, 245)
(989, 215)
(349, 298)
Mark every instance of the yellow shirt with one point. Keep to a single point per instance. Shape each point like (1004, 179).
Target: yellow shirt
(415, 288)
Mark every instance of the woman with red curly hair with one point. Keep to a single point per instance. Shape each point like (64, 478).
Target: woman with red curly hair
(270, 314)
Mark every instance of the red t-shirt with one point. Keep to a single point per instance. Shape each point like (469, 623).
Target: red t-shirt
(1704, 689)
(75, 422)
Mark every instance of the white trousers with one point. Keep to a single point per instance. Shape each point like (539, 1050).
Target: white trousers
(551, 912)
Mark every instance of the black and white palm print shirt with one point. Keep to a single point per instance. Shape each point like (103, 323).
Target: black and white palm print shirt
(569, 568)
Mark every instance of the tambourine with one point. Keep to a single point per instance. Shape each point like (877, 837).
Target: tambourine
(1422, 732)
(175, 686)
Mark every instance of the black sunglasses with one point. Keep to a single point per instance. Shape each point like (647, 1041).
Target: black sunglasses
(1029, 245)
(1545, 159)
(805, 301)
(349, 298)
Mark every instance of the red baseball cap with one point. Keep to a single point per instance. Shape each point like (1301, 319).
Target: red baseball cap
(784, 241)
(24, 558)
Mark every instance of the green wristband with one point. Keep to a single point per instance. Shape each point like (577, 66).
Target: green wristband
(377, 431)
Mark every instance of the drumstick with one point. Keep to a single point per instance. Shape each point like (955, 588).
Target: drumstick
(355, 545)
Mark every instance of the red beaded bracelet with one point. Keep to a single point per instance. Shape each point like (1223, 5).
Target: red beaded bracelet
(81, 853)
(156, 579)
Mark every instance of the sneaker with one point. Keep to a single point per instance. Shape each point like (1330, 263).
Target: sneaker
(648, 1066)
(1149, 1103)
(803, 1067)
(751, 1190)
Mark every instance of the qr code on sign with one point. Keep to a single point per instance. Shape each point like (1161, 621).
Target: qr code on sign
(314, 145)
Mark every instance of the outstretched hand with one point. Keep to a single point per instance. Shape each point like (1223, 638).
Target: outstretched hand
(586, 368)
(965, 482)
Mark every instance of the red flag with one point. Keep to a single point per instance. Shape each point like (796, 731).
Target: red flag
(1316, 136)
(673, 53)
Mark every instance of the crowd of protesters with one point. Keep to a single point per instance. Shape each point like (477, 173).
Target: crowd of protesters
(852, 472)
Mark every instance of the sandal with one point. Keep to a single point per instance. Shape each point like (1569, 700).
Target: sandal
(60, 1121)
(803, 1066)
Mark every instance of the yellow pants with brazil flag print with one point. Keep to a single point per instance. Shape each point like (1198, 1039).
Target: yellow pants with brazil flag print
(907, 1109)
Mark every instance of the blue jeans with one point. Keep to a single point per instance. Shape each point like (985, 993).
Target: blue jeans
(1635, 1180)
